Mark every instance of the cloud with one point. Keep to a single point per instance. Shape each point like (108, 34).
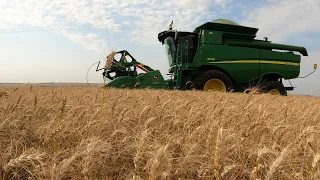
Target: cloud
(143, 18)
(83, 39)
(3, 26)
(155, 17)
(49, 13)
(281, 19)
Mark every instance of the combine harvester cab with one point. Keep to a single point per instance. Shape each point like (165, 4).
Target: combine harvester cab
(225, 56)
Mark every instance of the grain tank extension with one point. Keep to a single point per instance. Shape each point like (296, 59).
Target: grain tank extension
(220, 56)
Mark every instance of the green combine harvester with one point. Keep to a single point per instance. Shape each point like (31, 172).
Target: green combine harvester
(217, 56)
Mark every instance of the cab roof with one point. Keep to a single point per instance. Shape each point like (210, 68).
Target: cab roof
(227, 26)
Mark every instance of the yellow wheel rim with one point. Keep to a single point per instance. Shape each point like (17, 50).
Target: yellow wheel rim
(215, 85)
(274, 92)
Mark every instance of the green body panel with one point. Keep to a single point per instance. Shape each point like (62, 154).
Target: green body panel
(218, 37)
(121, 82)
(289, 70)
(230, 60)
(267, 45)
(245, 64)
(152, 79)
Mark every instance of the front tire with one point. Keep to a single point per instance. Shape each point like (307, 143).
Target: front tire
(213, 80)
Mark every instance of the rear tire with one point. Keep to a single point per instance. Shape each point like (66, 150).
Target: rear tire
(213, 80)
(273, 88)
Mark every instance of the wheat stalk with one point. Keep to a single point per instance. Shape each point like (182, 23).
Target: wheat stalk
(110, 60)
(277, 162)
(315, 160)
(27, 162)
(3, 94)
(160, 169)
(217, 155)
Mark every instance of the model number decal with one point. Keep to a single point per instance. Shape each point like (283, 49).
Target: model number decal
(211, 59)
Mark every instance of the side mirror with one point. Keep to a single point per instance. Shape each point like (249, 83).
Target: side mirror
(315, 69)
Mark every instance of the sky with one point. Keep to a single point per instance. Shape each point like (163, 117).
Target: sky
(58, 41)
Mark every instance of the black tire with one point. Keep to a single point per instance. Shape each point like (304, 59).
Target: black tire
(269, 85)
(210, 74)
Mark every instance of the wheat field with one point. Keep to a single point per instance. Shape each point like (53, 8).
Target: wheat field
(90, 133)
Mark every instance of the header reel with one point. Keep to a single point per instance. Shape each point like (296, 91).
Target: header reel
(126, 65)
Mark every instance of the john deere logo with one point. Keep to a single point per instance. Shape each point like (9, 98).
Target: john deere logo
(155, 77)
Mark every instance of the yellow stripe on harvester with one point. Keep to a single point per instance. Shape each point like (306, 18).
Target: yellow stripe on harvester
(280, 62)
(256, 61)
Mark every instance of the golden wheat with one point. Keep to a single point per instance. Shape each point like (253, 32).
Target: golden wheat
(110, 60)
(79, 133)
